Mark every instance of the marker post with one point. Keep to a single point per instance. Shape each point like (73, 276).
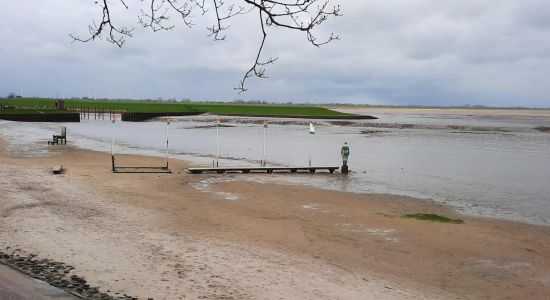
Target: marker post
(168, 119)
(113, 120)
(217, 141)
(311, 132)
(263, 159)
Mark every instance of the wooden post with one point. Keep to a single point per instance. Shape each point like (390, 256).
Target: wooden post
(345, 154)
(217, 141)
(345, 169)
(167, 125)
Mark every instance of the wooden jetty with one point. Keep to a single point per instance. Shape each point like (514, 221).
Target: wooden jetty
(269, 170)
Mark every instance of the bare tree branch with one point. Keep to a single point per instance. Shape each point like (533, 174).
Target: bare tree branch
(297, 15)
(117, 35)
(256, 68)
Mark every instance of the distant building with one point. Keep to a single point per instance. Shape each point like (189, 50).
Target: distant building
(59, 104)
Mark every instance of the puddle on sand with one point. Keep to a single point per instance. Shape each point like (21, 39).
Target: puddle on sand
(317, 207)
(491, 264)
(228, 196)
(311, 206)
(386, 234)
(545, 280)
(204, 185)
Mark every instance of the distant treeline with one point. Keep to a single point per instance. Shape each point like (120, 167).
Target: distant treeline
(13, 96)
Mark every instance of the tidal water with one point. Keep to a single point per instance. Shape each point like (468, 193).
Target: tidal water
(483, 163)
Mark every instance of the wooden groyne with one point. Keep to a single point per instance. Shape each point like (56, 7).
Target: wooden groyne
(269, 170)
(46, 117)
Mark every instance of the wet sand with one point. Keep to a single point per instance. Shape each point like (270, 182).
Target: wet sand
(185, 236)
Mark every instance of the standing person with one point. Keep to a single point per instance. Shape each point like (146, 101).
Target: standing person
(345, 154)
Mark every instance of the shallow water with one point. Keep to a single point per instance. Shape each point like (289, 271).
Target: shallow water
(482, 164)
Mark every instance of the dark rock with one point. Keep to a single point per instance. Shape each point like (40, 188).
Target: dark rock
(56, 274)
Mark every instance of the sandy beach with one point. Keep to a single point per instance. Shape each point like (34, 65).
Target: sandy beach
(183, 236)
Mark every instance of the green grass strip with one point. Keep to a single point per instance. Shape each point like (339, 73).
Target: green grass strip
(242, 109)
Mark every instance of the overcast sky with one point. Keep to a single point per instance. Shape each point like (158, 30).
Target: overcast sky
(428, 52)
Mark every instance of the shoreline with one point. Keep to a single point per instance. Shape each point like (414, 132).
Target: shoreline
(314, 238)
(474, 200)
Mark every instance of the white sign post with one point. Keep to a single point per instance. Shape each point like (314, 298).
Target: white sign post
(311, 132)
(217, 141)
(113, 120)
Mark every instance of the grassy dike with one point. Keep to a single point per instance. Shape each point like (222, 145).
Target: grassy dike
(240, 109)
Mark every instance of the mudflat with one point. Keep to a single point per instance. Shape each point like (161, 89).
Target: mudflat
(450, 111)
(183, 236)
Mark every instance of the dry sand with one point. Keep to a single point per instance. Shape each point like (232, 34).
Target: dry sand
(185, 236)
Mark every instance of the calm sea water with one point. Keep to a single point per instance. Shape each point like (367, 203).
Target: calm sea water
(481, 163)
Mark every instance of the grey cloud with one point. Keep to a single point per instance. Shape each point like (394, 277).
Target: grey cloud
(391, 52)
